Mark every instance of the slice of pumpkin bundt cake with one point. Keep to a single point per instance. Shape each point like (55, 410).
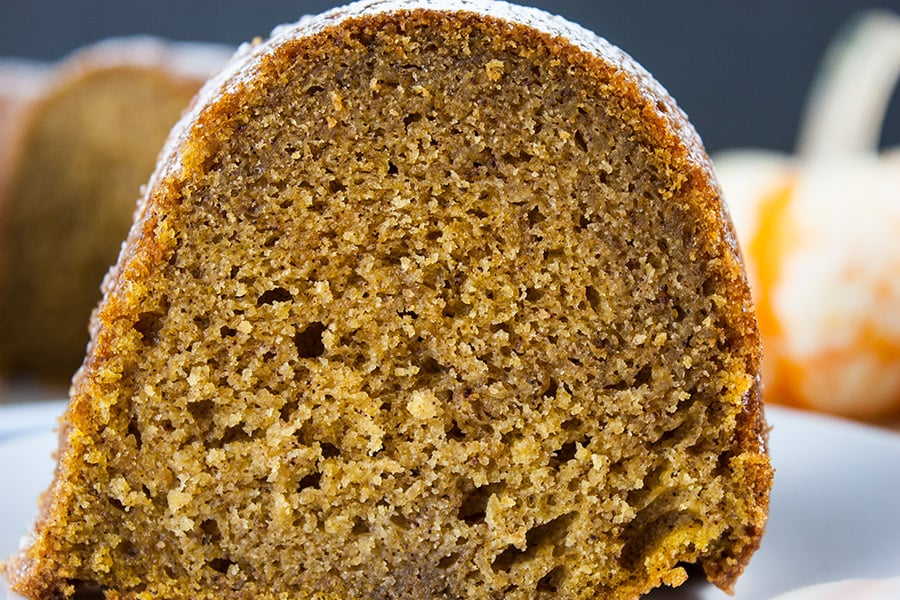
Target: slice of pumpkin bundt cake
(424, 300)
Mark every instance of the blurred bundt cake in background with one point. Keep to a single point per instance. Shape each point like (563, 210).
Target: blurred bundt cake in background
(79, 144)
(21, 83)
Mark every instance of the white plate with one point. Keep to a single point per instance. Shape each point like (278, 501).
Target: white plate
(835, 507)
(16, 419)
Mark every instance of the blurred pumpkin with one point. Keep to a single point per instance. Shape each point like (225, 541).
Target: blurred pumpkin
(820, 232)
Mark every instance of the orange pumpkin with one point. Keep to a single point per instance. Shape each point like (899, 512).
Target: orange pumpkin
(820, 232)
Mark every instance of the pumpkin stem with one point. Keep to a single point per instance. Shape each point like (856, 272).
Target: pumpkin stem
(850, 95)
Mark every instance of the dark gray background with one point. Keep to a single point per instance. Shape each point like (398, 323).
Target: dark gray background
(741, 69)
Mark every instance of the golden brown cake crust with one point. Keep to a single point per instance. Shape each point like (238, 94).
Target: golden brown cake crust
(128, 317)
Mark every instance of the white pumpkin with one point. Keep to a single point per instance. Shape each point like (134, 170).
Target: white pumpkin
(820, 232)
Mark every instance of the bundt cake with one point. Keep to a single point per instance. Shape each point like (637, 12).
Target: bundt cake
(21, 82)
(424, 300)
(77, 157)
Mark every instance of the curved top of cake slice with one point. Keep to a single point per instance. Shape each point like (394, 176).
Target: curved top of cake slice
(668, 119)
(420, 302)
